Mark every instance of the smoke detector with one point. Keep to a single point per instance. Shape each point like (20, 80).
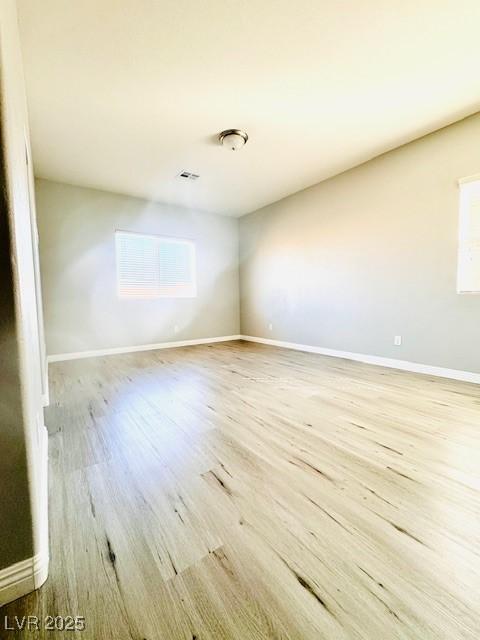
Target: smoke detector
(188, 175)
(233, 139)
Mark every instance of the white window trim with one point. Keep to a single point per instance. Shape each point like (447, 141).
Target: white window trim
(172, 239)
(466, 244)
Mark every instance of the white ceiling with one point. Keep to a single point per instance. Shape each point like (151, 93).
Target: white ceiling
(124, 94)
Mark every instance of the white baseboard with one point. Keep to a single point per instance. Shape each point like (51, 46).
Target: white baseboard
(404, 365)
(22, 578)
(57, 357)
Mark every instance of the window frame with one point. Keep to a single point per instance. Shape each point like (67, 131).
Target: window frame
(466, 245)
(192, 293)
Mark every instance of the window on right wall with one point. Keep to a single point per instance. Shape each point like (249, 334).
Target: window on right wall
(468, 274)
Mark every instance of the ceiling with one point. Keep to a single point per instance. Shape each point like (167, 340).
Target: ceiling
(125, 94)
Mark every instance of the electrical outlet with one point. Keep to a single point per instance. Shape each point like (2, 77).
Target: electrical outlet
(270, 327)
(397, 341)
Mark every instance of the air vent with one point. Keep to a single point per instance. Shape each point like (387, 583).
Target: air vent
(188, 175)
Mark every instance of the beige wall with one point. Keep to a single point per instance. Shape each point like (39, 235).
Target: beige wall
(367, 255)
(23, 477)
(77, 253)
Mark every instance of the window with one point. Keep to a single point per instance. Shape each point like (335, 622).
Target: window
(468, 275)
(154, 267)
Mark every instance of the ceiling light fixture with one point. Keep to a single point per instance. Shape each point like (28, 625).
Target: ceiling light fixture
(233, 139)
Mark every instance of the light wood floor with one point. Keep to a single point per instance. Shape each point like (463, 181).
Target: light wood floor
(249, 492)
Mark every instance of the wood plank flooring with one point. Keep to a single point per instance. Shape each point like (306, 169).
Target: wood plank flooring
(239, 491)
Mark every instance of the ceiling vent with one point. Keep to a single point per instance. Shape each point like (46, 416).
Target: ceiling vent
(188, 175)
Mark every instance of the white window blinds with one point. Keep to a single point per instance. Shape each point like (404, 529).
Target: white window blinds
(154, 266)
(468, 275)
